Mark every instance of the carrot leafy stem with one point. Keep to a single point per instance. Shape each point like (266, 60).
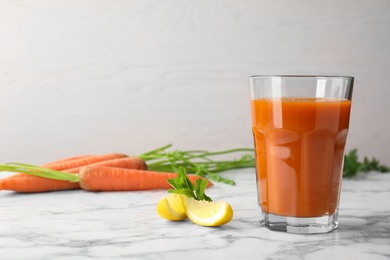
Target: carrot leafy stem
(182, 185)
(199, 162)
(39, 171)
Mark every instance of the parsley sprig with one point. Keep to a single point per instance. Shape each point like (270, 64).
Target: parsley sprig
(182, 185)
(353, 166)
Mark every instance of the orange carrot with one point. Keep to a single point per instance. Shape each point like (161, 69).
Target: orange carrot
(20, 181)
(101, 178)
(47, 165)
(30, 184)
(83, 161)
(62, 161)
(91, 178)
(125, 162)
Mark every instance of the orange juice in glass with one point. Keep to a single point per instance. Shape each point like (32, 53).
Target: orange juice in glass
(300, 126)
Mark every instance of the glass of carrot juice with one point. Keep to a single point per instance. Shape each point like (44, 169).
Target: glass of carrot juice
(300, 126)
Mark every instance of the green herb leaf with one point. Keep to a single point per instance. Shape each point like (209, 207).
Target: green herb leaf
(200, 188)
(173, 183)
(182, 185)
(353, 166)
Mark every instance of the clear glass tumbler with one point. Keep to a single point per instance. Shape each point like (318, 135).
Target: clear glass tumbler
(300, 126)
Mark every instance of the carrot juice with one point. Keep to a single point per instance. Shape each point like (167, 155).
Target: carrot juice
(299, 145)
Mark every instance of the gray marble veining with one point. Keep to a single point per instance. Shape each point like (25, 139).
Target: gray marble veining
(125, 225)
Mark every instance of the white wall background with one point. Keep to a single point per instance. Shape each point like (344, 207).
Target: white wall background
(96, 76)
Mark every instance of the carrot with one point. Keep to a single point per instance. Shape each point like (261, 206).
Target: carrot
(57, 163)
(126, 162)
(92, 178)
(82, 161)
(47, 165)
(21, 182)
(101, 178)
(30, 184)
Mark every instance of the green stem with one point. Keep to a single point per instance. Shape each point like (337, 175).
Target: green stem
(39, 171)
(152, 154)
(200, 162)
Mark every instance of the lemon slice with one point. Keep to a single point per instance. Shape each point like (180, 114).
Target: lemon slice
(206, 213)
(170, 207)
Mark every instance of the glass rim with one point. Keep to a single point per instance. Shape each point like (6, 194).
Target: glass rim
(301, 76)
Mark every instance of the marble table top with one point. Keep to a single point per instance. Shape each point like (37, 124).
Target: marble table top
(81, 225)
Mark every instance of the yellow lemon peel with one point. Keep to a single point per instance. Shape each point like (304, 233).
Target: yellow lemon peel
(170, 207)
(205, 213)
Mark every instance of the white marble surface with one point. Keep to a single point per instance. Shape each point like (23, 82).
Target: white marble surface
(81, 225)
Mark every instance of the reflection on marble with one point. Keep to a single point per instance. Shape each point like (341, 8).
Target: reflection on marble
(124, 225)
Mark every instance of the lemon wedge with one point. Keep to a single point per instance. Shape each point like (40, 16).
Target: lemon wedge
(206, 213)
(170, 207)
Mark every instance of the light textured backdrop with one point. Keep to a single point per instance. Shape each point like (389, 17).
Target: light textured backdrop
(96, 76)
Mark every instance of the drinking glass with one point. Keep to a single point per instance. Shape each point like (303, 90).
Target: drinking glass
(300, 125)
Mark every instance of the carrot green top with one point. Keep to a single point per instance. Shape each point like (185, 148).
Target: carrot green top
(39, 171)
(199, 162)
